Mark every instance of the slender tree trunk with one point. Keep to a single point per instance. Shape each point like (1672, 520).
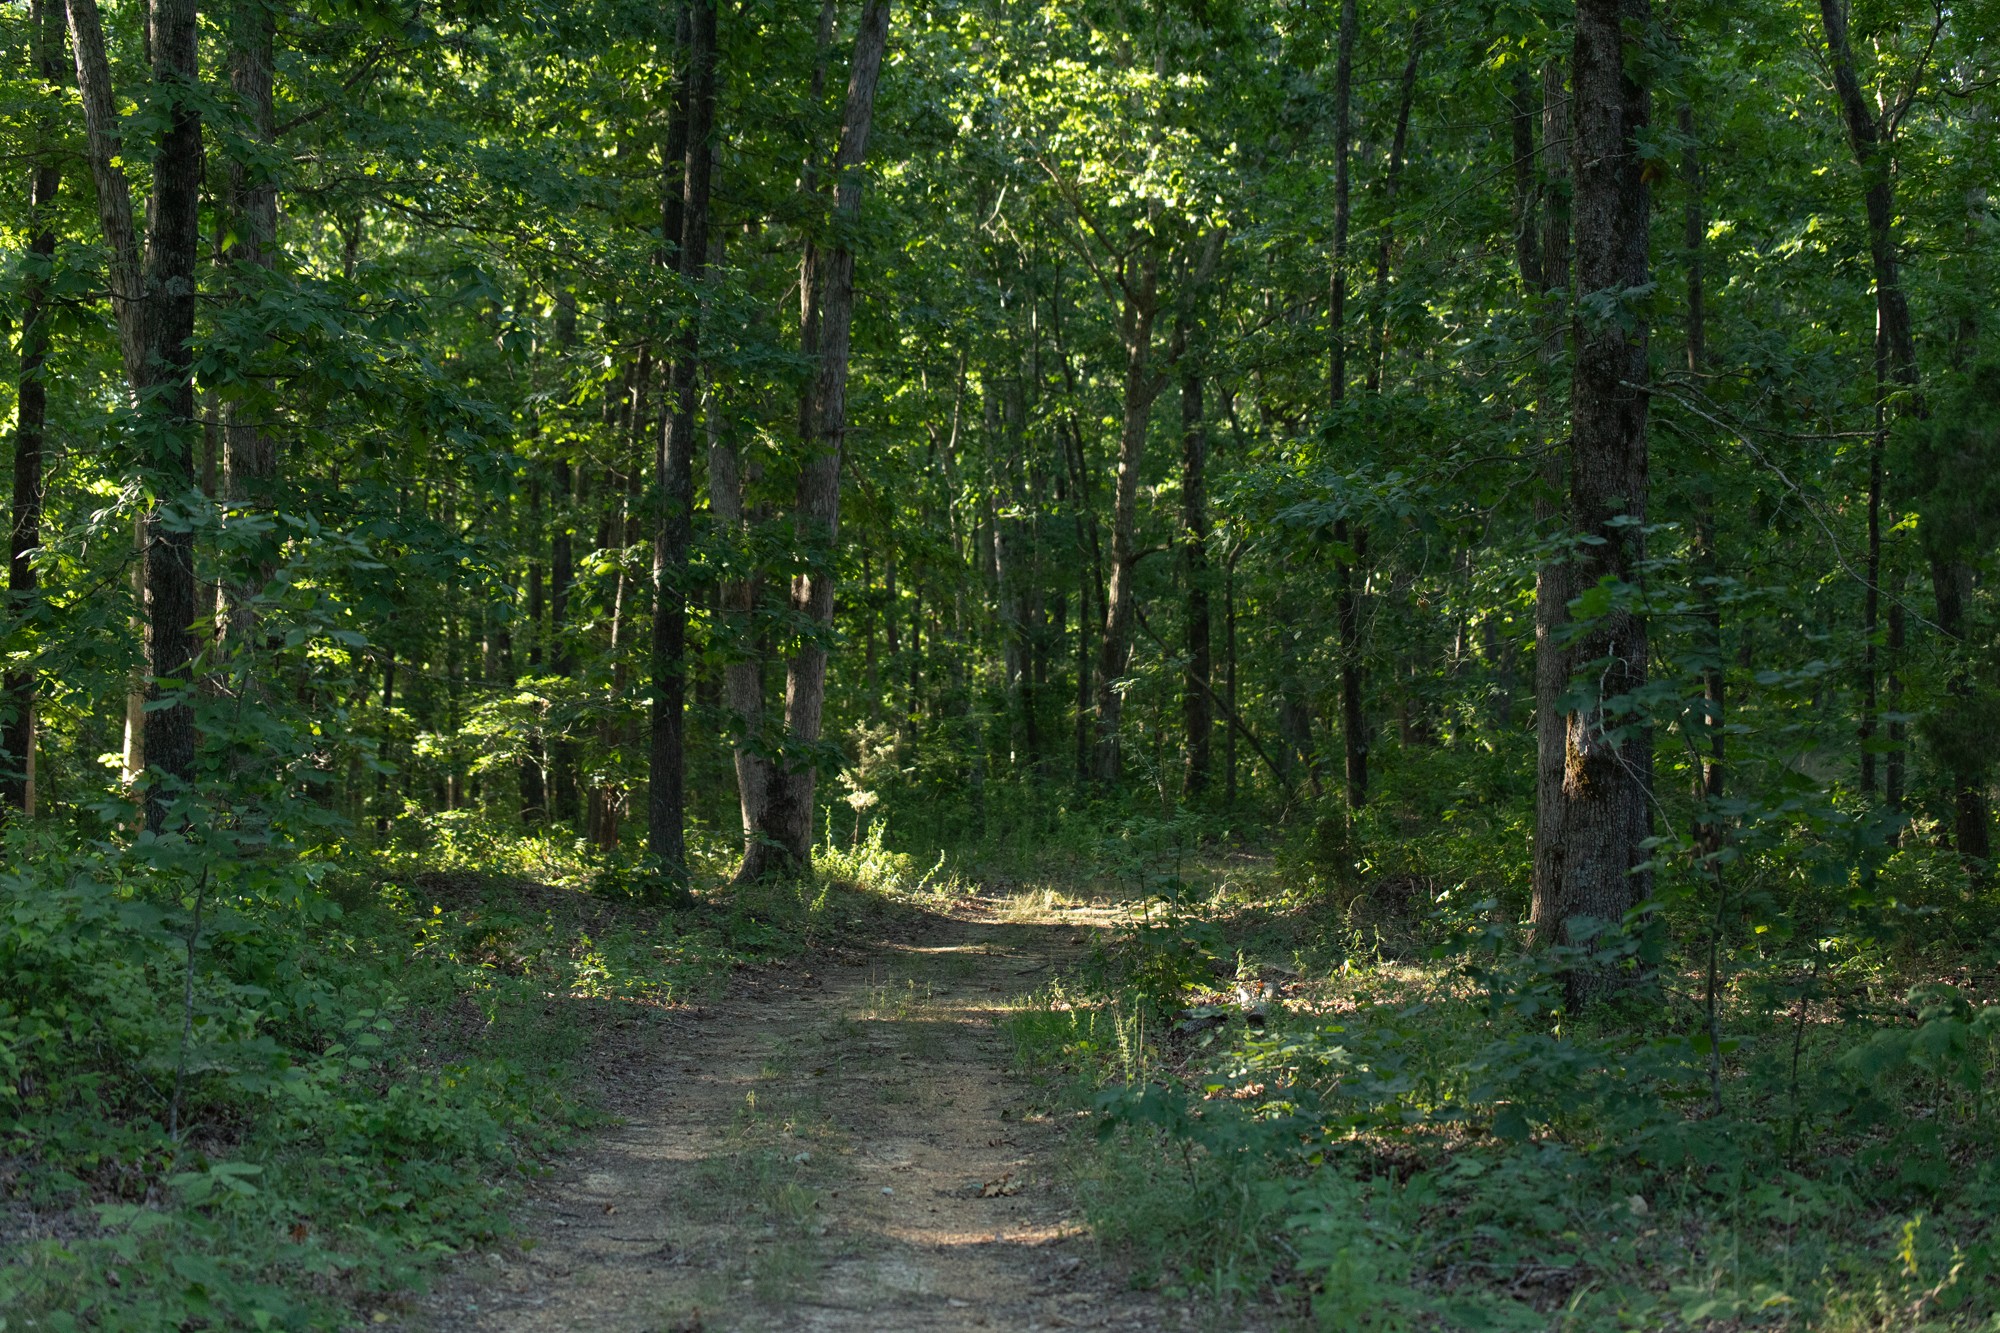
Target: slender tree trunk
(609, 797)
(562, 652)
(1971, 827)
(1869, 138)
(1354, 537)
(1606, 763)
(1083, 655)
(534, 770)
(1871, 595)
(1351, 541)
(1378, 315)
(1229, 679)
(1524, 104)
(1892, 794)
(153, 298)
(1343, 139)
(1089, 582)
(1549, 290)
(17, 691)
(1196, 684)
(1708, 825)
(785, 843)
(666, 837)
(1114, 648)
(743, 671)
(249, 453)
(383, 812)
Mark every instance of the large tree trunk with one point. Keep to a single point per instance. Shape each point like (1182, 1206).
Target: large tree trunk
(666, 806)
(1606, 774)
(785, 843)
(153, 299)
(1549, 288)
(1196, 685)
(1896, 353)
(1114, 648)
(249, 453)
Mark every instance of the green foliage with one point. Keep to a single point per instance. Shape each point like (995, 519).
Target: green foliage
(1452, 1149)
(368, 1064)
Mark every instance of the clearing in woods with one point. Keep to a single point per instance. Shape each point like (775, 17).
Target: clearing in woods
(839, 1143)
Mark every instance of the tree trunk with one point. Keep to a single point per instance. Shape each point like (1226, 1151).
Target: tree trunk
(1354, 537)
(17, 691)
(666, 804)
(785, 843)
(743, 669)
(1196, 685)
(1521, 102)
(1549, 293)
(1971, 827)
(1089, 578)
(562, 652)
(1606, 762)
(1892, 794)
(608, 798)
(534, 771)
(1378, 315)
(153, 298)
(1114, 648)
(1229, 678)
(1347, 598)
(1896, 348)
(1343, 137)
(249, 454)
(1708, 825)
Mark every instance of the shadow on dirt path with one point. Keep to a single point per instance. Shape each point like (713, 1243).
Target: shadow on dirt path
(834, 1146)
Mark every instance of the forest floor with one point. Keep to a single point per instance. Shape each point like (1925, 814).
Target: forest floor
(842, 1142)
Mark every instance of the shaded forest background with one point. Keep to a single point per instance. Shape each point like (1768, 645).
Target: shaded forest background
(1529, 468)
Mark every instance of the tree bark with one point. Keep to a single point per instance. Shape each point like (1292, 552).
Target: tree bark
(1868, 134)
(249, 453)
(743, 669)
(562, 653)
(1196, 685)
(1114, 648)
(1523, 105)
(785, 841)
(1708, 825)
(666, 837)
(1229, 678)
(17, 691)
(1606, 761)
(153, 299)
(534, 770)
(1352, 542)
(1343, 136)
(1549, 292)
(1391, 182)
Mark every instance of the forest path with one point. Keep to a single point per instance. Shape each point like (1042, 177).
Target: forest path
(838, 1144)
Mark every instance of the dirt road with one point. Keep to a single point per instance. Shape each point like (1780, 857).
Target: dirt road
(837, 1145)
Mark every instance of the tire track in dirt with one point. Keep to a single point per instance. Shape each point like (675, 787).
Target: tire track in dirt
(836, 1146)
